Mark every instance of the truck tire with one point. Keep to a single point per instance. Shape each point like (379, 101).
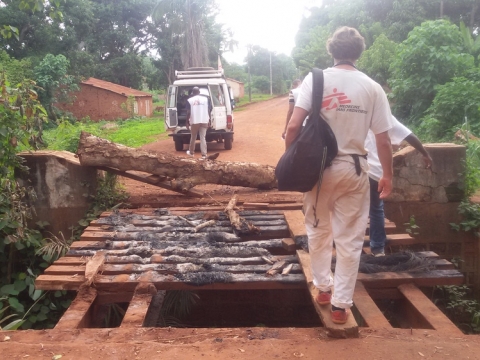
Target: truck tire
(227, 142)
(178, 143)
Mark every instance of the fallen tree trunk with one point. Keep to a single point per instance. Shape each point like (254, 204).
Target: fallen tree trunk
(182, 173)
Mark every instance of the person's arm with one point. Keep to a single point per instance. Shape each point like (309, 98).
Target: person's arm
(295, 125)
(291, 105)
(187, 122)
(413, 140)
(384, 148)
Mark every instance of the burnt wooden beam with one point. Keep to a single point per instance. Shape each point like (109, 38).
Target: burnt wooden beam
(347, 330)
(109, 245)
(118, 269)
(127, 283)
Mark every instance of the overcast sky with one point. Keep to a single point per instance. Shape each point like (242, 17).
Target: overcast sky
(272, 24)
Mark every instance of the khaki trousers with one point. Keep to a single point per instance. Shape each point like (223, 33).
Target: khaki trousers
(342, 210)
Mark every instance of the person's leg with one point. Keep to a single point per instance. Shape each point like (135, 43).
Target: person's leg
(193, 130)
(203, 142)
(320, 240)
(378, 237)
(349, 221)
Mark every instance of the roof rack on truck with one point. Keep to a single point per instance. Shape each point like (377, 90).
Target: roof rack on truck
(204, 72)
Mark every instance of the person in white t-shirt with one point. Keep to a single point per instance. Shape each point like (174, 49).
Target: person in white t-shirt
(352, 104)
(292, 99)
(397, 133)
(197, 121)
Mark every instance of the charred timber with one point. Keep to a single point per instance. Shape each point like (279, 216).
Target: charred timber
(184, 173)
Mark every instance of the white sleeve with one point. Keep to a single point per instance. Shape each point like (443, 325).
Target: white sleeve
(382, 115)
(398, 132)
(304, 100)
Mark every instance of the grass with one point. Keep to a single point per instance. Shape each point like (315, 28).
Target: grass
(130, 132)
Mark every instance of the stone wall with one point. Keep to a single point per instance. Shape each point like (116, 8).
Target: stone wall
(432, 198)
(63, 187)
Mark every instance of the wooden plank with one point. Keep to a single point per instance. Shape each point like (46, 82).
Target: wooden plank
(122, 245)
(128, 282)
(289, 245)
(76, 316)
(93, 265)
(427, 278)
(118, 269)
(395, 240)
(138, 306)
(150, 179)
(428, 311)
(296, 223)
(347, 330)
(370, 312)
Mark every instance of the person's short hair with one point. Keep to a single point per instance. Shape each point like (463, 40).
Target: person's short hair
(296, 82)
(346, 43)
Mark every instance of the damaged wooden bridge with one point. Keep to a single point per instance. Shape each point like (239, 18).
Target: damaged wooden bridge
(136, 255)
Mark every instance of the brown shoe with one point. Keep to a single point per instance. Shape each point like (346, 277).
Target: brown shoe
(323, 297)
(339, 316)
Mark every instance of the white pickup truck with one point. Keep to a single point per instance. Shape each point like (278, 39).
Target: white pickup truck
(212, 83)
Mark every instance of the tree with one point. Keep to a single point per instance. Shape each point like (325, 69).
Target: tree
(55, 84)
(186, 21)
(433, 55)
(376, 60)
(455, 104)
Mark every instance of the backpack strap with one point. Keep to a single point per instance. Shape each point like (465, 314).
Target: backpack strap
(317, 90)
(317, 99)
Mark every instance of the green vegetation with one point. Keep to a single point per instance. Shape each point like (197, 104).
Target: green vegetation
(131, 132)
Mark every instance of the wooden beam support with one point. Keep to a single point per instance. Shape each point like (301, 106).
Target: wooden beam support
(138, 306)
(370, 312)
(347, 330)
(427, 310)
(426, 278)
(76, 316)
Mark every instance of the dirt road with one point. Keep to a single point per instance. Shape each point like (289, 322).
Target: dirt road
(258, 129)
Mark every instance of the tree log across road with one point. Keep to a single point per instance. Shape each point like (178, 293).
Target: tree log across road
(182, 173)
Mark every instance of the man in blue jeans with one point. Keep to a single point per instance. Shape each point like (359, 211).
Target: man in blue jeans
(398, 133)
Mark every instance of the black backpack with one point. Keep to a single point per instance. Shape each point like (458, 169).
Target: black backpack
(302, 164)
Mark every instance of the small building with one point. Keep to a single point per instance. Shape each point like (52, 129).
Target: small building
(102, 100)
(237, 88)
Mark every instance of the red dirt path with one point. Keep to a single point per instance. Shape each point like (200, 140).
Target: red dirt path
(258, 131)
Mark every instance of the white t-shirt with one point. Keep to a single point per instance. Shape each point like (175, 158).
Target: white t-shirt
(198, 109)
(293, 95)
(352, 104)
(397, 134)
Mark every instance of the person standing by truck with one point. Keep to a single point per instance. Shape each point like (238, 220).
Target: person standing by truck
(197, 121)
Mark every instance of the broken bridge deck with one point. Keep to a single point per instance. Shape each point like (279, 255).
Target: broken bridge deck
(169, 249)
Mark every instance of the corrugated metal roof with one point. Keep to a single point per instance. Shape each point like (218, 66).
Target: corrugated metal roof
(118, 89)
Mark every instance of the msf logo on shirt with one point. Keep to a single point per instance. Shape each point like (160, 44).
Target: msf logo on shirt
(340, 102)
(333, 101)
(197, 103)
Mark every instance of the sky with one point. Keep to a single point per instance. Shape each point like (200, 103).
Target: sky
(271, 24)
